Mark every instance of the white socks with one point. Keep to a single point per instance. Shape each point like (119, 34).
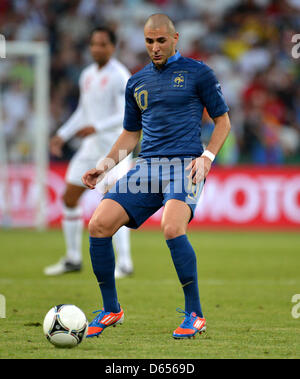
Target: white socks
(72, 227)
(121, 241)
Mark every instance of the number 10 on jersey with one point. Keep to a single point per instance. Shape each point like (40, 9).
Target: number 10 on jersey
(141, 99)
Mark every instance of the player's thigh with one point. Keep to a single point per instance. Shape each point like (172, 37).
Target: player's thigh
(175, 218)
(72, 195)
(107, 219)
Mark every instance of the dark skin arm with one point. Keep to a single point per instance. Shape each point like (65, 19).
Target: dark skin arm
(57, 143)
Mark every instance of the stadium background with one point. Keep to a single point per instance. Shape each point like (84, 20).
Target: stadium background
(248, 44)
(248, 280)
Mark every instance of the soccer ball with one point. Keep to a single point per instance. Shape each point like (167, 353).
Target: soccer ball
(65, 325)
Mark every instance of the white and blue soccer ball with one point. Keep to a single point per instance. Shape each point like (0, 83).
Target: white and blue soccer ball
(65, 325)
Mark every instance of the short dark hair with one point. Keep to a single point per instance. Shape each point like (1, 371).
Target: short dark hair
(111, 34)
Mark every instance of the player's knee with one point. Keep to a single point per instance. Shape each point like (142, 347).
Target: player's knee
(98, 227)
(172, 231)
(69, 201)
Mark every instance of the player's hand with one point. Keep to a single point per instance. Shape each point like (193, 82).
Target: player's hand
(199, 169)
(56, 144)
(85, 132)
(92, 177)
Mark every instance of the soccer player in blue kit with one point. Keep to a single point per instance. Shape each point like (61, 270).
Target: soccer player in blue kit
(165, 101)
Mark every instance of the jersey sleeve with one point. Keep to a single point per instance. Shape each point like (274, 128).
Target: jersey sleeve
(117, 117)
(210, 93)
(133, 117)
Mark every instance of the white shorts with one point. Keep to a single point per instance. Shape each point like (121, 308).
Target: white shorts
(79, 166)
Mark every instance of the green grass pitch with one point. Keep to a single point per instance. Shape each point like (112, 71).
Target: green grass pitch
(246, 280)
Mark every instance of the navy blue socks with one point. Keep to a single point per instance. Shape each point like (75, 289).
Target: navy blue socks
(184, 258)
(185, 263)
(103, 262)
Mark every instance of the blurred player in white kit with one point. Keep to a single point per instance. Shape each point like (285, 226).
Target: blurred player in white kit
(98, 120)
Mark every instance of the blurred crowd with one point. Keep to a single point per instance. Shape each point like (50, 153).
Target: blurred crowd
(247, 42)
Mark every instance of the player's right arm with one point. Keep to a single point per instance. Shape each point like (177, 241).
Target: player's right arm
(124, 145)
(71, 127)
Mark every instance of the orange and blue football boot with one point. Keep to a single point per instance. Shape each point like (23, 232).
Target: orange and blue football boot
(191, 325)
(103, 320)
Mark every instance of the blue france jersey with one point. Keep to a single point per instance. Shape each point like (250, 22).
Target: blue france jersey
(167, 105)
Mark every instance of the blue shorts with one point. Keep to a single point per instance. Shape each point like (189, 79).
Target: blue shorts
(150, 184)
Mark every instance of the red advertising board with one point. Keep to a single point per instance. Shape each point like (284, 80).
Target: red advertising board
(238, 197)
(250, 197)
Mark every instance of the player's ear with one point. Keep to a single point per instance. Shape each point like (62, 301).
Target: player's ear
(176, 38)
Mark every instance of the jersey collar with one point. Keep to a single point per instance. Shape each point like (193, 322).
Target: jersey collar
(172, 59)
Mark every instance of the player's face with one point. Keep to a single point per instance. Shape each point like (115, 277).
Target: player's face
(101, 48)
(160, 44)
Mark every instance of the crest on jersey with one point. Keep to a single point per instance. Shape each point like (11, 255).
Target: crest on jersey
(104, 81)
(179, 80)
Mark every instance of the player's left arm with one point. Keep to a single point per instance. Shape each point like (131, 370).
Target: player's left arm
(211, 96)
(201, 166)
(220, 133)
